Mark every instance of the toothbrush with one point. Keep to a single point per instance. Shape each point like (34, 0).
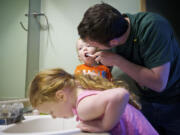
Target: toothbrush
(88, 55)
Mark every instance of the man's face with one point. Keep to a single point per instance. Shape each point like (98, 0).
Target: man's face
(97, 45)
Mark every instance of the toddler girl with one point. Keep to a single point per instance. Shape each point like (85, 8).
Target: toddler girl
(100, 105)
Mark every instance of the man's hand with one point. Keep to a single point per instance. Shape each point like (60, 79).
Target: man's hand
(106, 58)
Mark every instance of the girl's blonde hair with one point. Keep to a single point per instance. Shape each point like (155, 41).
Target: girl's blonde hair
(45, 84)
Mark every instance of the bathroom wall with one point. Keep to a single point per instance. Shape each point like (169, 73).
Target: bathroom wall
(169, 10)
(57, 46)
(13, 48)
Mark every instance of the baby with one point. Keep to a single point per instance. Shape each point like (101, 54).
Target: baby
(90, 66)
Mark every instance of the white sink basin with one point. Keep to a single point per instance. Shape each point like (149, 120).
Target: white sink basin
(42, 125)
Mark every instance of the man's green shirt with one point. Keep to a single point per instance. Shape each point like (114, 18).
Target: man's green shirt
(152, 43)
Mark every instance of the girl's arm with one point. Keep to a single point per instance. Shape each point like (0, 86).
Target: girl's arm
(110, 104)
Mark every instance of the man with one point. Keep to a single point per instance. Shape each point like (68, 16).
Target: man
(144, 47)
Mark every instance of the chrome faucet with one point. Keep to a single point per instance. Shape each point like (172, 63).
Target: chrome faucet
(11, 113)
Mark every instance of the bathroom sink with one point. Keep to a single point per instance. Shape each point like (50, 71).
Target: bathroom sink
(42, 125)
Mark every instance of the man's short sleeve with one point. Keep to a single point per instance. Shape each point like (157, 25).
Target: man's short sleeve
(157, 39)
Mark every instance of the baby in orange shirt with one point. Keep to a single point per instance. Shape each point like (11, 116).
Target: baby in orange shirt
(90, 66)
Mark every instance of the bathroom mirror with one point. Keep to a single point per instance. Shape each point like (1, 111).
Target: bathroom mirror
(13, 48)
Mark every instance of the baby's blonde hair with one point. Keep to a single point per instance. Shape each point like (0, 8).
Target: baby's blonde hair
(45, 84)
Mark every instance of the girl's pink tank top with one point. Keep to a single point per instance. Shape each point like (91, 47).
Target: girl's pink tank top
(132, 121)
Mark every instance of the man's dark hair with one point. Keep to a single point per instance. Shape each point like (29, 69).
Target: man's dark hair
(102, 23)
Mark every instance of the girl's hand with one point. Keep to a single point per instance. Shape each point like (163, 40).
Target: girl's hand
(94, 126)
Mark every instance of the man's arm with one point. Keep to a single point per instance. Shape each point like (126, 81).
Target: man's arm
(155, 78)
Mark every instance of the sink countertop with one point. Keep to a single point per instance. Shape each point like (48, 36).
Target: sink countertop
(82, 133)
(92, 134)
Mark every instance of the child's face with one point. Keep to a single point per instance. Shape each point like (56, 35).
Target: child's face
(56, 109)
(84, 50)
